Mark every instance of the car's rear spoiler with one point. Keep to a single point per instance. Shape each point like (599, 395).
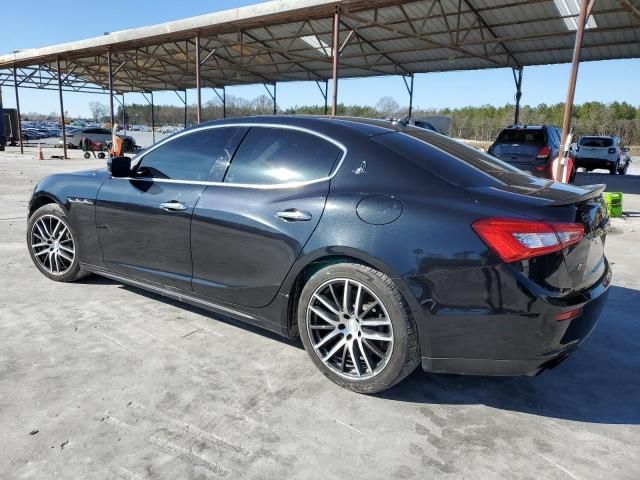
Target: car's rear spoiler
(592, 191)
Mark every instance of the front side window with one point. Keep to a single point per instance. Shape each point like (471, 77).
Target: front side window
(197, 156)
(271, 156)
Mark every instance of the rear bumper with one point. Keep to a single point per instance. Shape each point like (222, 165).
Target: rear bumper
(594, 162)
(512, 344)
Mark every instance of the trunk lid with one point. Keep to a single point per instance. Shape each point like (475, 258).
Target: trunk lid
(586, 260)
(558, 202)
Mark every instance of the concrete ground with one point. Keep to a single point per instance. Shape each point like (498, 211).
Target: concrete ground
(99, 380)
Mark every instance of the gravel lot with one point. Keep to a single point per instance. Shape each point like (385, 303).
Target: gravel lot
(99, 380)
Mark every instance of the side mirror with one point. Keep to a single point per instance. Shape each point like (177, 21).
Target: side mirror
(119, 166)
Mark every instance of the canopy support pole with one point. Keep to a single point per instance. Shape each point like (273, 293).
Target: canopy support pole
(517, 78)
(272, 95)
(149, 99)
(110, 69)
(15, 85)
(64, 130)
(124, 116)
(585, 9)
(198, 81)
(184, 100)
(336, 54)
(153, 120)
(224, 102)
(223, 99)
(409, 86)
(324, 92)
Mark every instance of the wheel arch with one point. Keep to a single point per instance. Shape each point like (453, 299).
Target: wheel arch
(41, 199)
(306, 266)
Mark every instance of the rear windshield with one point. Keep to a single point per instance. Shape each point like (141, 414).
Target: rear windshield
(596, 142)
(521, 135)
(451, 160)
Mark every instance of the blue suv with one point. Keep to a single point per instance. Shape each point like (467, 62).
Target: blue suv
(531, 148)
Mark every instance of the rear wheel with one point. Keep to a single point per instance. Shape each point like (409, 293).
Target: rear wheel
(357, 328)
(613, 170)
(127, 145)
(623, 170)
(52, 244)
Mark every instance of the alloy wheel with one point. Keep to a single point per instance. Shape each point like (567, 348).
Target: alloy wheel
(52, 245)
(350, 329)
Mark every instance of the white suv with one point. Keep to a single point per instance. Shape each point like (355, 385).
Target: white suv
(602, 152)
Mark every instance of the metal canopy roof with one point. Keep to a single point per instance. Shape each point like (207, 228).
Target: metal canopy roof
(287, 40)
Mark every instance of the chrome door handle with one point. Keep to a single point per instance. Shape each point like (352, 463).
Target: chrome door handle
(294, 215)
(173, 206)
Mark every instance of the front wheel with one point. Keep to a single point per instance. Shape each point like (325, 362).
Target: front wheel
(357, 328)
(52, 244)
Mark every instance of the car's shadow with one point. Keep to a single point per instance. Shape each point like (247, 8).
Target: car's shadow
(99, 280)
(599, 383)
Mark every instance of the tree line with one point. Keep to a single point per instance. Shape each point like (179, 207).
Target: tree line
(481, 123)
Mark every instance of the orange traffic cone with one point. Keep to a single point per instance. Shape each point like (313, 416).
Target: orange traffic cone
(40, 154)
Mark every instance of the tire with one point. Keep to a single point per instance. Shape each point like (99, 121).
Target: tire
(386, 313)
(100, 154)
(623, 170)
(87, 155)
(56, 259)
(127, 146)
(613, 170)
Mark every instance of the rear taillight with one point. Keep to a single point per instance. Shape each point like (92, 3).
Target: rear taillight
(612, 150)
(544, 152)
(512, 239)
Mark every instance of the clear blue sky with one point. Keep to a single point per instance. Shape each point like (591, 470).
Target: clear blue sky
(44, 22)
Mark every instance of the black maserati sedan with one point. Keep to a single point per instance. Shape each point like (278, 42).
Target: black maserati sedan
(382, 246)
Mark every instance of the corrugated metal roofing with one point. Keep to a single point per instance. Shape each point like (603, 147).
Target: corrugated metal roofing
(286, 40)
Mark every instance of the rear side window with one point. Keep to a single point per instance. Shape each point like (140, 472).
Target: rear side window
(451, 160)
(271, 156)
(595, 142)
(521, 135)
(197, 156)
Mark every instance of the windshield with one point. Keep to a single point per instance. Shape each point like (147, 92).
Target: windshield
(521, 135)
(596, 142)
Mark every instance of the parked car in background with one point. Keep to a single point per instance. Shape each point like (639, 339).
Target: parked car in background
(607, 152)
(382, 246)
(530, 148)
(98, 135)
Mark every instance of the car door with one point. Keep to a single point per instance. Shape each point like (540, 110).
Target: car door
(248, 231)
(143, 222)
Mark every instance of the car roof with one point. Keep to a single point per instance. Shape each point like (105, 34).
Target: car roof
(362, 126)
